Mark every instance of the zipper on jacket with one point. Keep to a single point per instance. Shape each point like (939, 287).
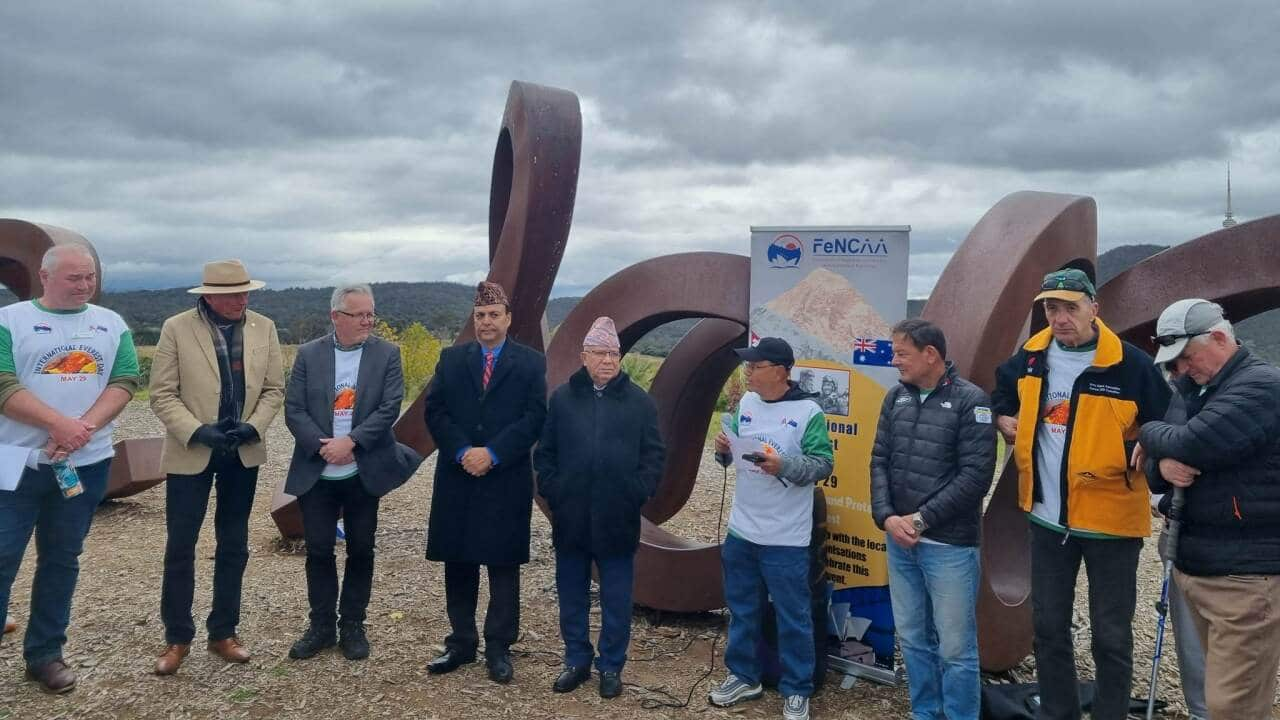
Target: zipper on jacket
(1064, 481)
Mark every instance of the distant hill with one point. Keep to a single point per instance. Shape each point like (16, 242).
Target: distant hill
(302, 313)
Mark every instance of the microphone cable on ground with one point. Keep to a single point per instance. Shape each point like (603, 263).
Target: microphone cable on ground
(674, 702)
(656, 703)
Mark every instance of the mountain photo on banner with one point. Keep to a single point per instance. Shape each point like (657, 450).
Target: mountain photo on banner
(819, 316)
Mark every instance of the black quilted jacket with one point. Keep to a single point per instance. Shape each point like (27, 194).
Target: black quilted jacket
(935, 458)
(1231, 520)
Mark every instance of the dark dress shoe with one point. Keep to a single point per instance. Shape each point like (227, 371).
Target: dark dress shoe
(355, 646)
(500, 670)
(610, 684)
(312, 642)
(570, 678)
(54, 677)
(448, 661)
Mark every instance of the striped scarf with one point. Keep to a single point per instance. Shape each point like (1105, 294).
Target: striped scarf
(231, 402)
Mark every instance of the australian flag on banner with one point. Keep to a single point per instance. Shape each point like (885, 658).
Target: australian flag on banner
(869, 351)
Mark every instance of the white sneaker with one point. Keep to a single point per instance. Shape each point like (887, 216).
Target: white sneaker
(795, 707)
(734, 690)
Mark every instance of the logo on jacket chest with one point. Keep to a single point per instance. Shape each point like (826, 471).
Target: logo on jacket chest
(1098, 388)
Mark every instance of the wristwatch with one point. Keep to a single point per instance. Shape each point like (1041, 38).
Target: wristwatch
(917, 522)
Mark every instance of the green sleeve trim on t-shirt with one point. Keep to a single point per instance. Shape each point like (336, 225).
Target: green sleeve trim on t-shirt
(6, 352)
(126, 363)
(816, 441)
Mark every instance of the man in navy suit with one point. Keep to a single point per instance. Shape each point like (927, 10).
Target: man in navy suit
(485, 408)
(343, 395)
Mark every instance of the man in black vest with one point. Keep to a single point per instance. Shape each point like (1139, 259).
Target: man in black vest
(485, 407)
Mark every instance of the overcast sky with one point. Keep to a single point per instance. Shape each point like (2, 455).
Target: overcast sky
(322, 144)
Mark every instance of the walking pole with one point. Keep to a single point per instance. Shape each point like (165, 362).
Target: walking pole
(1162, 605)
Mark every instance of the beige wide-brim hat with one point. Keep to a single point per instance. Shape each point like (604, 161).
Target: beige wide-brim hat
(223, 277)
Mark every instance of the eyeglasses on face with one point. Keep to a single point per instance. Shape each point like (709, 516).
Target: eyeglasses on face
(362, 317)
(752, 367)
(1167, 340)
(601, 354)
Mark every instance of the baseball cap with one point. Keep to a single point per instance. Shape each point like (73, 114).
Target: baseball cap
(1068, 284)
(1182, 321)
(770, 349)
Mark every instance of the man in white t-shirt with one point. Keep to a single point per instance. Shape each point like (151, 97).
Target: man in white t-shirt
(770, 526)
(1069, 401)
(344, 394)
(67, 368)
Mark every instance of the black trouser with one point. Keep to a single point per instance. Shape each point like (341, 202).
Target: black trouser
(321, 506)
(1112, 567)
(186, 501)
(501, 620)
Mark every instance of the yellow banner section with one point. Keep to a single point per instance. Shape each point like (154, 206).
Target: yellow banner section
(855, 546)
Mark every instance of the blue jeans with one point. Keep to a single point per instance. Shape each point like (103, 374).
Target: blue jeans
(934, 591)
(751, 571)
(573, 577)
(60, 526)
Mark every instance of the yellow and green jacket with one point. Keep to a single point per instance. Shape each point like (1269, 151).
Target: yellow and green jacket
(1109, 403)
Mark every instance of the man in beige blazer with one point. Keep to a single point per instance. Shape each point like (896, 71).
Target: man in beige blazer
(216, 384)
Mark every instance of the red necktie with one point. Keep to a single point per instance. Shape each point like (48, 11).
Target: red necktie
(488, 368)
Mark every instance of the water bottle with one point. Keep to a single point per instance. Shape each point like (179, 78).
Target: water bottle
(68, 479)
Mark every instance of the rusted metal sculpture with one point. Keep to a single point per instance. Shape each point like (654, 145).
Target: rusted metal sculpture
(531, 195)
(136, 466)
(982, 302)
(1238, 267)
(1024, 236)
(23, 244)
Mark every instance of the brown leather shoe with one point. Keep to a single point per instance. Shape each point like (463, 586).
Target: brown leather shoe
(230, 650)
(54, 677)
(171, 659)
(9, 624)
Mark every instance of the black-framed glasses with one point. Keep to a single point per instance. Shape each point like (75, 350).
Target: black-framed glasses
(1167, 340)
(752, 367)
(363, 317)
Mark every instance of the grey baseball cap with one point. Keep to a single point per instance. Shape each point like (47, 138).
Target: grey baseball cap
(1182, 321)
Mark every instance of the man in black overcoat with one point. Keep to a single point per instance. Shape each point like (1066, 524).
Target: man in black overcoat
(485, 408)
(599, 461)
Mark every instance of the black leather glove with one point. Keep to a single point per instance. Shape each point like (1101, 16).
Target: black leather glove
(213, 437)
(243, 433)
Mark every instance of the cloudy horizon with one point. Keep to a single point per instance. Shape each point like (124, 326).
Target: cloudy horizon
(323, 143)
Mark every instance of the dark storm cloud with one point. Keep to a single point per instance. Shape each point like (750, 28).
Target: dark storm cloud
(315, 139)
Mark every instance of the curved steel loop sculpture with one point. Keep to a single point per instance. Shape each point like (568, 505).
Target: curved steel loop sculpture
(531, 196)
(982, 303)
(672, 573)
(136, 466)
(23, 244)
(1238, 267)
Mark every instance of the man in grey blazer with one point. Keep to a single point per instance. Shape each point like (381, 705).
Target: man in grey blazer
(342, 398)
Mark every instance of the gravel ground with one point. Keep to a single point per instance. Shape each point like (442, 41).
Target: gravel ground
(116, 631)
